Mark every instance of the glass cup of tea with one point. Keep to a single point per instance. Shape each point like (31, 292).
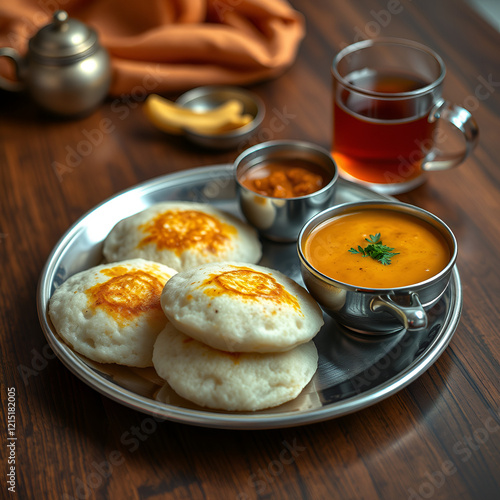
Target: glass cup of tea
(387, 103)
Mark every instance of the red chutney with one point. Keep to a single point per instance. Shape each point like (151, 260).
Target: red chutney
(287, 178)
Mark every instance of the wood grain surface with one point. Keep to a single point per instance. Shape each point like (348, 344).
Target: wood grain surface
(438, 438)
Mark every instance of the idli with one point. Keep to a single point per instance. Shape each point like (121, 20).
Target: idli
(111, 313)
(182, 235)
(241, 308)
(231, 381)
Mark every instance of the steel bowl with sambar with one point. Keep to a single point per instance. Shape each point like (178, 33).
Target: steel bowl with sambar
(377, 267)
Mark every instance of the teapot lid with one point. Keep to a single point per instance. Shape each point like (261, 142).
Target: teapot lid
(63, 38)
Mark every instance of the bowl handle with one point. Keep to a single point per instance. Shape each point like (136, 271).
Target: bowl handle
(412, 315)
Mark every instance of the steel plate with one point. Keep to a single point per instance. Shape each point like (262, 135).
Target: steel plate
(353, 371)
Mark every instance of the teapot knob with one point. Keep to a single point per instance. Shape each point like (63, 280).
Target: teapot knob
(60, 17)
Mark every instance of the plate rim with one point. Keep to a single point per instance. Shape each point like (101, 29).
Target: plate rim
(207, 418)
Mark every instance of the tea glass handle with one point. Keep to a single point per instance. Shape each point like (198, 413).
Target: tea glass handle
(12, 86)
(461, 119)
(412, 316)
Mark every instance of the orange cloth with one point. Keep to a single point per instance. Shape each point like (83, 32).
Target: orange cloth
(172, 45)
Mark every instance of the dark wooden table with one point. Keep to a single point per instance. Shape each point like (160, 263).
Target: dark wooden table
(437, 438)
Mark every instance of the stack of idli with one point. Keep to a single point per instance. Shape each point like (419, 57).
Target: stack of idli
(181, 291)
(239, 336)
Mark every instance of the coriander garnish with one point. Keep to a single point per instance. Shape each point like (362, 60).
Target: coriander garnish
(376, 250)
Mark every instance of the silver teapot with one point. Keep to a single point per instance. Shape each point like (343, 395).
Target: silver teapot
(65, 69)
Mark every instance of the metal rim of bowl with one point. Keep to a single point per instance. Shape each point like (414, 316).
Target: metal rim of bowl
(350, 207)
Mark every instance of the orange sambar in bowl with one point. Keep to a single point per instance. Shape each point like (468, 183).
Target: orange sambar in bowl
(422, 252)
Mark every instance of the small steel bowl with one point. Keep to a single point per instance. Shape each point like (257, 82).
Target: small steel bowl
(210, 97)
(280, 219)
(376, 311)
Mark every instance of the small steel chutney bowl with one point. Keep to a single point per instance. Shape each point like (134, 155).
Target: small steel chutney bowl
(212, 96)
(379, 310)
(280, 219)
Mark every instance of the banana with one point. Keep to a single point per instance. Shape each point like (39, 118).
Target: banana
(174, 119)
(225, 127)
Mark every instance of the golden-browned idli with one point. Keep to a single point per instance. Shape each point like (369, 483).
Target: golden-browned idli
(111, 313)
(182, 235)
(241, 308)
(232, 381)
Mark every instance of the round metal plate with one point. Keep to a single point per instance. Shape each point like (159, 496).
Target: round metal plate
(353, 371)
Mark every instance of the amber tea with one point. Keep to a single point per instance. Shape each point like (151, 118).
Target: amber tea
(381, 140)
(387, 102)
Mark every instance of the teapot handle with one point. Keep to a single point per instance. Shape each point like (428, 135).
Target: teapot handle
(12, 86)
